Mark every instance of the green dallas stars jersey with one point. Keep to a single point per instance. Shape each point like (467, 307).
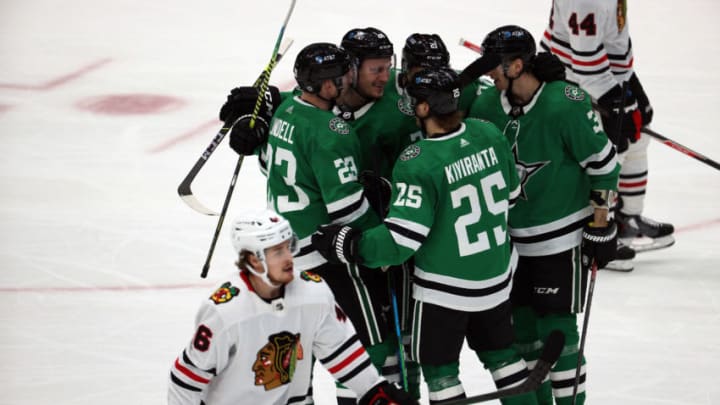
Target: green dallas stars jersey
(450, 203)
(385, 127)
(312, 159)
(561, 154)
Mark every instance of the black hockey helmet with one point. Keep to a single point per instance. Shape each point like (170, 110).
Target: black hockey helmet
(318, 62)
(424, 50)
(510, 42)
(367, 43)
(439, 87)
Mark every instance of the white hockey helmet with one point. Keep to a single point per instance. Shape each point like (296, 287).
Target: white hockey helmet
(257, 230)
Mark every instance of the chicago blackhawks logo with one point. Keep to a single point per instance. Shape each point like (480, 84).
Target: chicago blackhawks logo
(410, 152)
(574, 93)
(225, 293)
(310, 276)
(276, 361)
(339, 125)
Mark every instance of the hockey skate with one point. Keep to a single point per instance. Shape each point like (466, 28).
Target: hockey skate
(623, 258)
(643, 234)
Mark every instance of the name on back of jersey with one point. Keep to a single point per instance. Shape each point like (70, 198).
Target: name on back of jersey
(470, 165)
(282, 130)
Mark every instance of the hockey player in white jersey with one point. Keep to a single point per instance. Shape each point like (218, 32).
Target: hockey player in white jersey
(256, 335)
(591, 38)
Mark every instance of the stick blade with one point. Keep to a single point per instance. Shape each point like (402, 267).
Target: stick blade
(187, 196)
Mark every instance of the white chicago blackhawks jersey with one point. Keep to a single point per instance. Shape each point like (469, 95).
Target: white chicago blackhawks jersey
(591, 38)
(249, 351)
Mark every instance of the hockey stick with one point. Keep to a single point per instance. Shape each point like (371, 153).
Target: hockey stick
(680, 148)
(398, 334)
(265, 79)
(586, 318)
(669, 142)
(551, 351)
(479, 67)
(184, 189)
(470, 45)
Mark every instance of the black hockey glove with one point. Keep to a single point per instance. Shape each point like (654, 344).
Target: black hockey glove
(387, 394)
(646, 110)
(377, 190)
(244, 139)
(241, 101)
(548, 68)
(599, 244)
(617, 109)
(337, 243)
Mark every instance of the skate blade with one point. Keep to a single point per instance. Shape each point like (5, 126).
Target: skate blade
(647, 244)
(620, 265)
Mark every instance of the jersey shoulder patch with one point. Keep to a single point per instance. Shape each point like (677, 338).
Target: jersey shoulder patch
(404, 106)
(411, 152)
(225, 293)
(339, 125)
(310, 276)
(574, 93)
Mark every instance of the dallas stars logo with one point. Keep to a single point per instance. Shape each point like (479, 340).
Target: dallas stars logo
(525, 170)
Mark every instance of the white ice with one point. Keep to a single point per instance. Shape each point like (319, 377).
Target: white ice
(101, 260)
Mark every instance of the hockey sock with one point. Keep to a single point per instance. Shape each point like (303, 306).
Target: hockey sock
(391, 369)
(443, 382)
(380, 352)
(508, 369)
(529, 346)
(413, 369)
(413, 377)
(562, 375)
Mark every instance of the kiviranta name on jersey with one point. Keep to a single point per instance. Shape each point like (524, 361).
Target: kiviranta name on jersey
(469, 165)
(283, 130)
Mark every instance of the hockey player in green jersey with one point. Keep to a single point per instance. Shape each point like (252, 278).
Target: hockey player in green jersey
(423, 51)
(312, 159)
(568, 169)
(450, 201)
(385, 124)
(311, 155)
(372, 104)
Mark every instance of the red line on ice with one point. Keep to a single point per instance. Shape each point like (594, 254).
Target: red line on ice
(121, 288)
(202, 128)
(58, 81)
(286, 86)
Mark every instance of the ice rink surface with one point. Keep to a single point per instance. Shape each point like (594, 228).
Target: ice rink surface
(106, 105)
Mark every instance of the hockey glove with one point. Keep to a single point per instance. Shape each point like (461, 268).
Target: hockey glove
(241, 101)
(548, 68)
(387, 394)
(599, 244)
(620, 117)
(244, 139)
(646, 110)
(377, 190)
(337, 243)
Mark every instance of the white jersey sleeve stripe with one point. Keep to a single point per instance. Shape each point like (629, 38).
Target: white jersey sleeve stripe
(409, 225)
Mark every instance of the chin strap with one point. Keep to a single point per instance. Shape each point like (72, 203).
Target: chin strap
(263, 276)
